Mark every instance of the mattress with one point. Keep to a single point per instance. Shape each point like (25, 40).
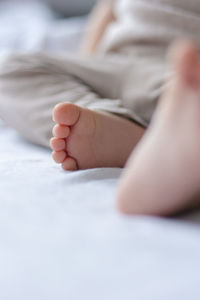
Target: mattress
(61, 236)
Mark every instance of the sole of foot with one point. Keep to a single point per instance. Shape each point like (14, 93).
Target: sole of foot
(85, 139)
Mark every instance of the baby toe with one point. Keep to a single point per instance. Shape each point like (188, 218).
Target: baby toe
(66, 114)
(57, 144)
(59, 157)
(61, 131)
(69, 164)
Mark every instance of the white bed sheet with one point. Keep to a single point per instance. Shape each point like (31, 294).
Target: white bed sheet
(62, 238)
(33, 26)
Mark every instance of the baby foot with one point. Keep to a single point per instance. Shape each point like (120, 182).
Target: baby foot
(163, 174)
(88, 139)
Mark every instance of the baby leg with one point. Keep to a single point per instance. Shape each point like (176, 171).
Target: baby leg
(162, 176)
(85, 136)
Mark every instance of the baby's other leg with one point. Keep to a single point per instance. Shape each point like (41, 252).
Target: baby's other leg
(162, 176)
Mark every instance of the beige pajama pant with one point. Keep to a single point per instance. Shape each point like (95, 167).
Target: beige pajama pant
(127, 80)
(32, 84)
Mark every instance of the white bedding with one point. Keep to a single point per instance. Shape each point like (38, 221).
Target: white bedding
(32, 26)
(62, 238)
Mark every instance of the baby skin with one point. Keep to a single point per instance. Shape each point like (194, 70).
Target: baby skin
(162, 176)
(86, 139)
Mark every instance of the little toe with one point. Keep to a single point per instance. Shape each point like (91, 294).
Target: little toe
(61, 131)
(59, 157)
(69, 164)
(66, 114)
(57, 144)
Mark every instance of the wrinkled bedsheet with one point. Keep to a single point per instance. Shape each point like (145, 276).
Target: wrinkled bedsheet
(61, 236)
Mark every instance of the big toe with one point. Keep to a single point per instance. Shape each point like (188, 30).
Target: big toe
(66, 114)
(184, 56)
